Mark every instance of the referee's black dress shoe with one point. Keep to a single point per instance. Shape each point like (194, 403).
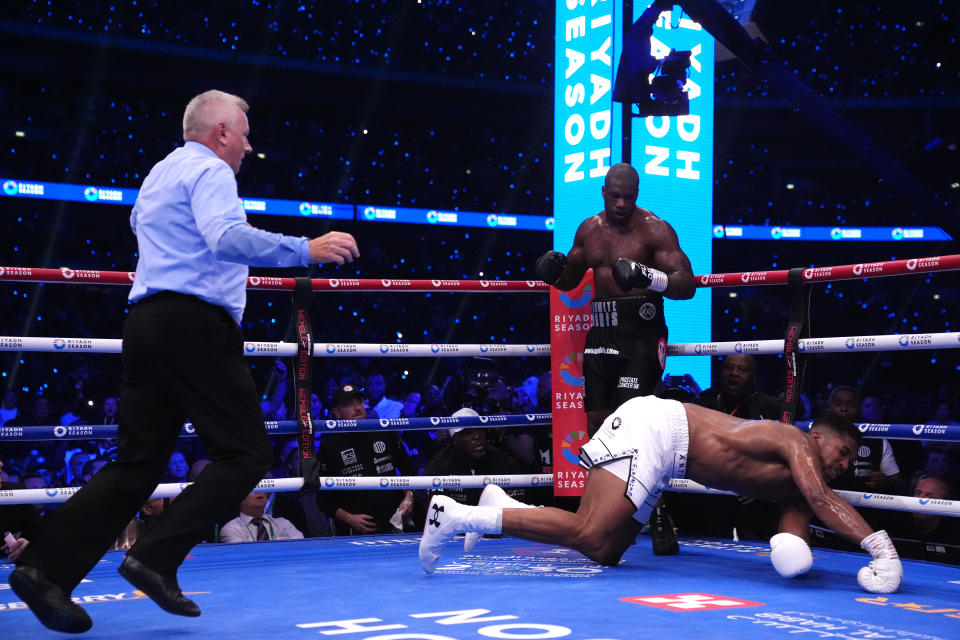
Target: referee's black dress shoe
(51, 604)
(162, 589)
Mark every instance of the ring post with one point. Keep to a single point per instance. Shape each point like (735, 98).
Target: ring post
(794, 358)
(309, 466)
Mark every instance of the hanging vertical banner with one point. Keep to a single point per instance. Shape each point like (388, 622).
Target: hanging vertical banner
(674, 158)
(583, 125)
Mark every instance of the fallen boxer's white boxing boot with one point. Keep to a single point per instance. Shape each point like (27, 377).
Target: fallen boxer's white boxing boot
(446, 518)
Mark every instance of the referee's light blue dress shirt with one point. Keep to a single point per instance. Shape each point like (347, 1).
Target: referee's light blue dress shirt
(193, 235)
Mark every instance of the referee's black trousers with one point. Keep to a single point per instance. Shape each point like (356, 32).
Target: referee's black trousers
(182, 359)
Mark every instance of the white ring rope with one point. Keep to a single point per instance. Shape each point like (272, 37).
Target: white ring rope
(327, 483)
(389, 483)
(842, 344)
(289, 349)
(872, 500)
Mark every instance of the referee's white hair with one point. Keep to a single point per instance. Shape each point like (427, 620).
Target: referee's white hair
(207, 109)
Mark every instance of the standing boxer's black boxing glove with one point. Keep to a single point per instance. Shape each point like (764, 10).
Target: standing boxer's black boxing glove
(550, 266)
(633, 275)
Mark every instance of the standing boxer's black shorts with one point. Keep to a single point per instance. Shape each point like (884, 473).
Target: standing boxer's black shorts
(625, 351)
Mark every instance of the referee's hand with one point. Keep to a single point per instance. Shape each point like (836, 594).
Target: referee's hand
(335, 246)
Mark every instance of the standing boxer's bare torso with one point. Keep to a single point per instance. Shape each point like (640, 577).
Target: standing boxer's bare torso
(603, 242)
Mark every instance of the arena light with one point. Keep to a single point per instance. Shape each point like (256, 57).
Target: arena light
(655, 85)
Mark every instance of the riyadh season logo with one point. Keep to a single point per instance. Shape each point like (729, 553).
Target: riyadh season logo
(435, 348)
(492, 220)
(432, 217)
(484, 348)
(131, 275)
(531, 348)
(911, 264)
(52, 492)
(549, 224)
(328, 482)
(59, 343)
(91, 193)
(370, 213)
(384, 482)
(254, 281)
(436, 482)
(249, 347)
(836, 233)
(576, 303)
(10, 187)
(384, 348)
(305, 208)
(776, 233)
(331, 349)
(718, 231)
(571, 441)
(571, 369)
(849, 343)
(331, 424)
(897, 233)
(904, 341)
(67, 272)
(59, 431)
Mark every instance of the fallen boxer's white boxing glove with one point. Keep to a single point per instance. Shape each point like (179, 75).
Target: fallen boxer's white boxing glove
(885, 573)
(790, 555)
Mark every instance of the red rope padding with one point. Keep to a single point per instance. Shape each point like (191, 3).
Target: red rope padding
(829, 274)
(814, 274)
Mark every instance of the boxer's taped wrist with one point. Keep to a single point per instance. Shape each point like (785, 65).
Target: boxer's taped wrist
(879, 545)
(658, 280)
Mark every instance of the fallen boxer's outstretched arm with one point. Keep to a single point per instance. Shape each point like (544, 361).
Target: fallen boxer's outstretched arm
(884, 573)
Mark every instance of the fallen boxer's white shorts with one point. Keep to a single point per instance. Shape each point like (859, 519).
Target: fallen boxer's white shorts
(644, 443)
